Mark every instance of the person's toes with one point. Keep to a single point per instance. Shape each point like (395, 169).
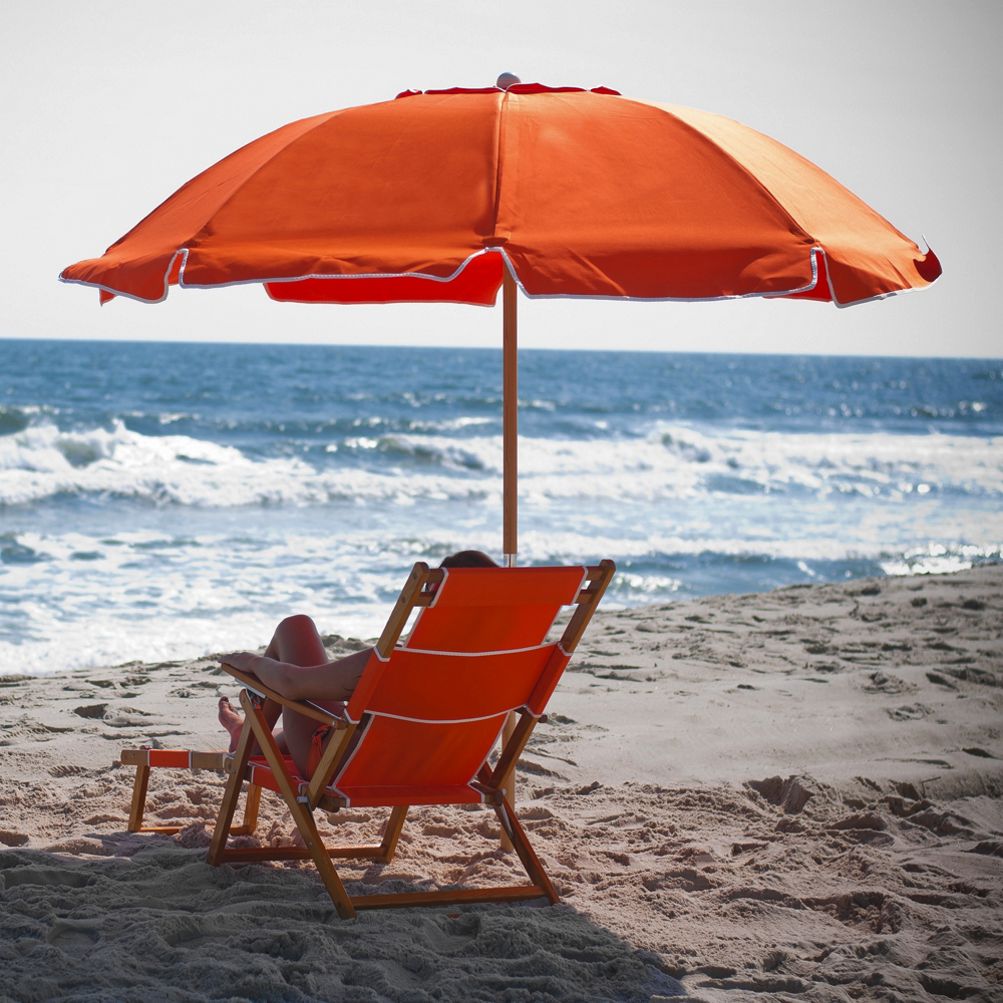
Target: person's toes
(228, 717)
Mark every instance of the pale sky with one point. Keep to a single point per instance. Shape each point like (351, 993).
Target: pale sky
(108, 107)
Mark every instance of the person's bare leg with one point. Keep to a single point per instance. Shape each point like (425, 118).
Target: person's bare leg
(295, 664)
(295, 637)
(329, 682)
(296, 642)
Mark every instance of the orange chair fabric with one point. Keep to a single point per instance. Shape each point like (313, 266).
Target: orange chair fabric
(581, 193)
(478, 609)
(177, 759)
(433, 710)
(475, 654)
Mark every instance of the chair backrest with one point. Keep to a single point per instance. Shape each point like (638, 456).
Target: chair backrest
(433, 709)
(495, 609)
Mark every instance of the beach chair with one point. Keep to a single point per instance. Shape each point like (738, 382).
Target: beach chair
(422, 721)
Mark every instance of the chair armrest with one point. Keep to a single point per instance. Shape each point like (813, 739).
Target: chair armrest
(333, 718)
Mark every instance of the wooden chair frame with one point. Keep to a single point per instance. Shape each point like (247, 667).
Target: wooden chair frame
(213, 761)
(302, 800)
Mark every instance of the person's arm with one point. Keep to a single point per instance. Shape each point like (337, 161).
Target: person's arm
(334, 680)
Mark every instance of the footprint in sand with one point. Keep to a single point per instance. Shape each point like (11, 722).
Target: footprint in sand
(830, 667)
(688, 880)
(131, 718)
(983, 677)
(910, 712)
(95, 711)
(11, 838)
(885, 682)
(790, 794)
(942, 645)
(67, 770)
(74, 934)
(536, 769)
(939, 680)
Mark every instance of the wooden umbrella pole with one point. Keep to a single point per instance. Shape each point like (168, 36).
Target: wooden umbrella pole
(510, 421)
(510, 472)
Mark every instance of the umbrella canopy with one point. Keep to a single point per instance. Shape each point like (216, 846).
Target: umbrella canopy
(448, 195)
(583, 193)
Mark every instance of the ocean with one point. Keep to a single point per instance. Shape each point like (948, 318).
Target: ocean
(162, 501)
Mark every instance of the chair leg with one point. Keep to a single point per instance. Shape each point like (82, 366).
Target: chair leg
(392, 833)
(508, 781)
(520, 842)
(251, 804)
(302, 815)
(304, 820)
(224, 820)
(138, 805)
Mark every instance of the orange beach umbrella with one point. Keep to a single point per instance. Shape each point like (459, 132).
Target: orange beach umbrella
(449, 195)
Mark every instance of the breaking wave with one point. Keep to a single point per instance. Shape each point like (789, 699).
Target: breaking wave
(40, 461)
(160, 501)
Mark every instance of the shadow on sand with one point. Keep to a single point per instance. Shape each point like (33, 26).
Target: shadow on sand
(147, 919)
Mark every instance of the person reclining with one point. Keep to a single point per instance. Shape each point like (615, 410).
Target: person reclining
(296, 665)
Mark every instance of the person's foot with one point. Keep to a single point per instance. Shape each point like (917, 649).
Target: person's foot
(230, 720)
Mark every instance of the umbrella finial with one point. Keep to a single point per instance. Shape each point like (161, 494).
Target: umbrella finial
(505, 80)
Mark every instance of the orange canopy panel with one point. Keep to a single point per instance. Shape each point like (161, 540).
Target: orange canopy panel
(579, 193)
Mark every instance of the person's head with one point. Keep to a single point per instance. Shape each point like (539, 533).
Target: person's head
(468, 559)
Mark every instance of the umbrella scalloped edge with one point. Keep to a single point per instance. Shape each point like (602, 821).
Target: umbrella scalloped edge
(478, 285)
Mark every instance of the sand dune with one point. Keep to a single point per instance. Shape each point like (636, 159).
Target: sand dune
(793, 795)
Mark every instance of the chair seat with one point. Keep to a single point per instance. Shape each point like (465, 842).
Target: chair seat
(260, 773)
(370, 796)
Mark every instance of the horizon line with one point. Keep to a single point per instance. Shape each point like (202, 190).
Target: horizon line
(495, 348)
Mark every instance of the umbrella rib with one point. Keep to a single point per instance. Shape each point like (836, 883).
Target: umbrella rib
(499, 147)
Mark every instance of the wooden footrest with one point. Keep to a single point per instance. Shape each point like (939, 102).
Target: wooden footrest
(180, 759)
(175, 759)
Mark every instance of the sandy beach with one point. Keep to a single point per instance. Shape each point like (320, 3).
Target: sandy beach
(792, 795)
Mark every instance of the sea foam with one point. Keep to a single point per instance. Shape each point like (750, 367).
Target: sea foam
(42, 462)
